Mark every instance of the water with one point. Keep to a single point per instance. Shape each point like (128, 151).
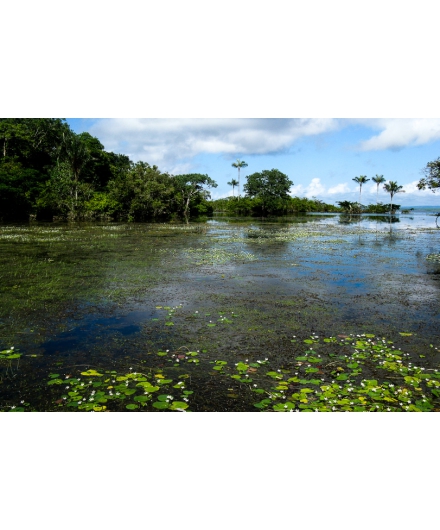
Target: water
(112, 295)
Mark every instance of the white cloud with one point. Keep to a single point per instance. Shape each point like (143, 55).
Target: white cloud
(315, 188)
(339, 188)
(411, 187)
(399, 133)
(166, 141)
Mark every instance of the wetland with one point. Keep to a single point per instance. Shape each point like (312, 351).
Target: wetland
(317, 312)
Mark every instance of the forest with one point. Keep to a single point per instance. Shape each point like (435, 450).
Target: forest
(48, 172)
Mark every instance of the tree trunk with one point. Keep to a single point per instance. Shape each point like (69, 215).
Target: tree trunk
(238, 186)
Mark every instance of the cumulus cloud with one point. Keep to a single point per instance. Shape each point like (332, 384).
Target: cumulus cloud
(399, 133)
(411, 187)
(315, 188)
(339, 188)
(166, 142)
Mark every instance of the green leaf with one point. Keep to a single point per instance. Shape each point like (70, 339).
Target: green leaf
(160, 405)
(142, 399)
(178, 405)
(242, 367)
(131, 406)
(55, 382)
(91, 373)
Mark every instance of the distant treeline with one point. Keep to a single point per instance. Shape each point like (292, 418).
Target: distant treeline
(47, 171)
(286, 206)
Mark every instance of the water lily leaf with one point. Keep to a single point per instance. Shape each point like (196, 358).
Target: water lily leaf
(142, 399)
(178, 405)
(54, 375)
(55, 382)
(131, 406)
(405, 334)
(169, 323)
(161, 353)
(161, 405)
(91, 373)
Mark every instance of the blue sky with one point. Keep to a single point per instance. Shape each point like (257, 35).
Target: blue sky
(320, 156)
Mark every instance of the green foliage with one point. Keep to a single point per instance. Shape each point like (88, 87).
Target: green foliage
(431, 180)
(270, 189)
(381, 208)
(392, 188)
(350, 207)
(190, 187)
(252, 207)
(19, 188)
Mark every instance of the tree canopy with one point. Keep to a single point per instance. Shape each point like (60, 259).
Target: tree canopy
(431, 180)
(47, 171)
(271, 187)
(190, 186)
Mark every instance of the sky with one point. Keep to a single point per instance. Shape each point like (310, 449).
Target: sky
(320, 156)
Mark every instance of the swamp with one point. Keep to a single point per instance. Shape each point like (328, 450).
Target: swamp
(316, 312)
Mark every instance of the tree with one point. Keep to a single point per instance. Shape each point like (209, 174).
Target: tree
(190, 187)
(431, 180)
(270, 186)
(66, 192)
(392, 188)
(349, 207)
(233, 183)
(378, 179)
(239, 164)
(361, 180)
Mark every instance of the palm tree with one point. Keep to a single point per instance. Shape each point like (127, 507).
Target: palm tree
(392, 188)
(238, 165)
(361, 180)
(378, 179)
(233, 183)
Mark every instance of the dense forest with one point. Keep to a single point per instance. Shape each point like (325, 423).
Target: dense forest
(47, 171)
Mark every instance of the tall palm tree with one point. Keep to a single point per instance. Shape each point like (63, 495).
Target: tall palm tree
(361, 180)
(378, 179)
(233, 183)
(392, 188)
(239, 164)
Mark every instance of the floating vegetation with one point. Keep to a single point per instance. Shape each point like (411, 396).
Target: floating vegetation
(56, 279)
(362, 373)
(217, 256)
